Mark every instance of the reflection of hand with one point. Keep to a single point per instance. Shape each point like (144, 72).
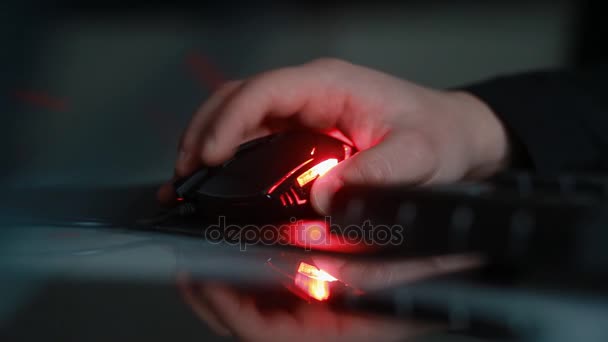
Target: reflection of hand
(407, 133)
(230, 312)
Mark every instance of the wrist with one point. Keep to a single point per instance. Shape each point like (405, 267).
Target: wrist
(486, 135)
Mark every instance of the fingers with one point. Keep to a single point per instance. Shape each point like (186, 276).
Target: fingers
(188, 156)
(222, 307)
(377, 275)
(403, 157)
(293, 92)
(193, 296)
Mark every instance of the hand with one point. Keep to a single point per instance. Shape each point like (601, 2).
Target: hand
(229, 312)
(407, 133)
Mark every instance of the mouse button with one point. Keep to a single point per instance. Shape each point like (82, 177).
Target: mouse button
(329, 143)
(255, 142)
(223, 185)
(247, 175)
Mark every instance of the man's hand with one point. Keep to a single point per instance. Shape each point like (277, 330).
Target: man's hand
(229, 312)
(406, 133)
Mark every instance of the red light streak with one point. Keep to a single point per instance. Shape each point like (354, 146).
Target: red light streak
(298, 200)
(208, 74)
(313, 272)
(289, 199)
(41, 99)
(273, 187)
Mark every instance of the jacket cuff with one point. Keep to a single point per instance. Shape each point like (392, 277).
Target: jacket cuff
(540, 112)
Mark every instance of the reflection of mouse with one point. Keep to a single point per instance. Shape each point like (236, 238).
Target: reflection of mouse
(268, 178)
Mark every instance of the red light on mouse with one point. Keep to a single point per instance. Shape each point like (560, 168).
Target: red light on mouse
(275, 185)
(316, 171)
(180, 199)
(298, 200)
(313, 281)
(313, 272)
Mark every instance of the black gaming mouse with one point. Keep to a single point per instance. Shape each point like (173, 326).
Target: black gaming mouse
(268, 178)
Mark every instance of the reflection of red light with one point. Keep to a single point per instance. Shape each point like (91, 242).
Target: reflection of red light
(180, 199)
(315, 235)
(312, 152)
(316, 171)
(313, 281)
(274, 186)
(313, 272)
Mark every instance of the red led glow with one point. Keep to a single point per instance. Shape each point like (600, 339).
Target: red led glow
(289, 199)
(313, 272)
(180, 199)
(316, 235)
(312, 152)
(298, 200)
(313, 281)
(316, 171)
(274, 186)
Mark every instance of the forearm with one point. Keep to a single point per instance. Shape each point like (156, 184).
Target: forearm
(558, 121)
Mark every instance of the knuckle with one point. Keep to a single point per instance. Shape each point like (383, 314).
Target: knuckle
(375, 168)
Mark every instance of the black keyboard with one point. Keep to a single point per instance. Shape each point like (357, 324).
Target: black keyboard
(555, 224)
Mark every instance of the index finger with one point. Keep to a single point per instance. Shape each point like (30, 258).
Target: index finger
(280, 94)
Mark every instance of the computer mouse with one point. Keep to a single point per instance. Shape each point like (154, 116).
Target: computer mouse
(268, 178)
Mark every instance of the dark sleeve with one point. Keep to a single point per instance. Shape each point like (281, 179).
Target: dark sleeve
(557, 120)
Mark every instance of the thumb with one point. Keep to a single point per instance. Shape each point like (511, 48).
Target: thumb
(405, 157)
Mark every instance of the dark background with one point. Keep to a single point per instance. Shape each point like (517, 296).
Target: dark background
(97, 92)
